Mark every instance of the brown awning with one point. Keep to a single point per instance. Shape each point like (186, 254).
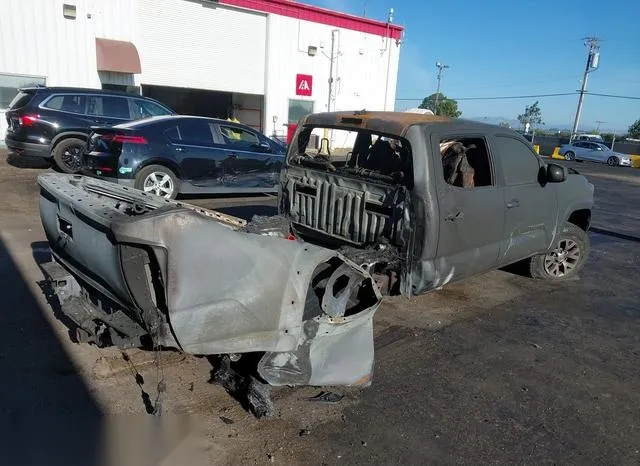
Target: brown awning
(117, 55)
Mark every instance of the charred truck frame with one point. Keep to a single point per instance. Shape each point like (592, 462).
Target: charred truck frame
(385, 203)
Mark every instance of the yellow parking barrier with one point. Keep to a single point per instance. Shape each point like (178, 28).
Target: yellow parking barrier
(635, 161)
(556, 154)
(536, 148)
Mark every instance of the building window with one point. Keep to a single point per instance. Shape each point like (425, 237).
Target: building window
(69, 11)
(10, 83)
(299, 109)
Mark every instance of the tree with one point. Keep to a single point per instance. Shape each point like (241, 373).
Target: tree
(531, 115)
(634, 130)
(446, 107)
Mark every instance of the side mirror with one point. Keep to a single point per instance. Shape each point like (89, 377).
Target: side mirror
(556, 173)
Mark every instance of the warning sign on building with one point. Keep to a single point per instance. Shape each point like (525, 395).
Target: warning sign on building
(304, 84)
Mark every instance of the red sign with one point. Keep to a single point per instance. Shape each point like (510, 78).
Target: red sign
(304, 84)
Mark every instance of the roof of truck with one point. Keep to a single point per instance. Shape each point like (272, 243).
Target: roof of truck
(384, 122)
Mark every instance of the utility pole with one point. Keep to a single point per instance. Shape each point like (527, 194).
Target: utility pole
(598, 123)
(593, 59)
(331, 58)
(441, 67)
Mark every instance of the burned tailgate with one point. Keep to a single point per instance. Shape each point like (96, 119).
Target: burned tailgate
(189, 278)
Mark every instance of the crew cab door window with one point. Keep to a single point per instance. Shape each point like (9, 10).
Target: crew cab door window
(471, 206)
(520, 165)
(529, 205)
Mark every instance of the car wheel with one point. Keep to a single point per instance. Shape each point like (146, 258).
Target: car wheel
(158, 180)
(569, 156)
(67, 155)
(613, 161)
(565, 259)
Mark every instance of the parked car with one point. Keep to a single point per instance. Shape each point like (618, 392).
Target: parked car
(594, 152)
(386, 203)
(589, 137)
(171, 155)
(54, 121)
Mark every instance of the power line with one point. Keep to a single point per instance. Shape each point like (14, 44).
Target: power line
(504, 97)
(615, 96)
(531, 96)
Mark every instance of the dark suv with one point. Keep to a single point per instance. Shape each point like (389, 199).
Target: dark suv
(55, 121)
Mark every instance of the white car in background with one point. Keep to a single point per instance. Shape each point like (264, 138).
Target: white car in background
(594, 152)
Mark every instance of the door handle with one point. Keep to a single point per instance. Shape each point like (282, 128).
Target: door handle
(459, 215)
(180, 149)
(233, 155)
(513, 203)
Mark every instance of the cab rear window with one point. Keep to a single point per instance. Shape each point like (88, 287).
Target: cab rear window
(20, 100)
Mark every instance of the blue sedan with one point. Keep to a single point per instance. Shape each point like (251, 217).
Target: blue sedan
(594, 152)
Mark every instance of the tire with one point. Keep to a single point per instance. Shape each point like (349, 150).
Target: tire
(158, 180)
(569, 156)
(565, 259)
(67, 155)
(613, 161)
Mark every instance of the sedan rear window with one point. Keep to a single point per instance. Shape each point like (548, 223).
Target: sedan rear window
(20, 100)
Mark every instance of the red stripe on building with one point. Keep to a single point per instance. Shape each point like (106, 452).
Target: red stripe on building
(316, 14)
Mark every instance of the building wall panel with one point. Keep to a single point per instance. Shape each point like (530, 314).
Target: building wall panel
(201, 45)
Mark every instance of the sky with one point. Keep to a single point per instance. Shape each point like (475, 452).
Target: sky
(507, 48)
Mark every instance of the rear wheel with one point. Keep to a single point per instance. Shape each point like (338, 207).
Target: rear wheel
(613, 161)
(566, 258)
(68, 155)
(158, 180)
(569, 156)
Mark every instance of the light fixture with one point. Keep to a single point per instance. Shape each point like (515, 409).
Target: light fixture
(69, 11)
(312, 50)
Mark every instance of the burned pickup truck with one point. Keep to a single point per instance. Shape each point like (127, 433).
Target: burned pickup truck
(369, 204)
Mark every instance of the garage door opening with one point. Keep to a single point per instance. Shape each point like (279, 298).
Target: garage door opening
(246, 108)
(197, 102)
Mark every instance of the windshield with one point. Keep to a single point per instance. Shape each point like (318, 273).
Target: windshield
(354, 152)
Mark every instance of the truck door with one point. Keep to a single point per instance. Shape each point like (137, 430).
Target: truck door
(471, 219)
(530, 208)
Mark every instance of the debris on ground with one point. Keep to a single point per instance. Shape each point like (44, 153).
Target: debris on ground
(226, 420)
(252, 394)
(326, 397)
(304, 432)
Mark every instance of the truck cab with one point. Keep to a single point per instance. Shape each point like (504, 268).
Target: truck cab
(423, 200)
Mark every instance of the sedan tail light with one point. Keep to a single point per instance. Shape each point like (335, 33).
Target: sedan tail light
(123, 138)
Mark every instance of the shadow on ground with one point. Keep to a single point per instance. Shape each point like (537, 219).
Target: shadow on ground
(21, 161)
(47, 414)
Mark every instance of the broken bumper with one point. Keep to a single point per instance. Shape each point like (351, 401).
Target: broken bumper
(137, 265)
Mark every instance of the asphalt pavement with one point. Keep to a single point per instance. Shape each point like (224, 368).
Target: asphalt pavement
(498, 369)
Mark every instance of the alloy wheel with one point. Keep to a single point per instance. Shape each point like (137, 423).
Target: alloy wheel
(72, 157)
(563, 259)
(160, 184)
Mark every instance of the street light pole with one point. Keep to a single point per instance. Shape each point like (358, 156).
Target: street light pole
(598, 123)
(441, 67)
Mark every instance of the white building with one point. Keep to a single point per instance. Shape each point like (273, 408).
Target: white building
(267, 62)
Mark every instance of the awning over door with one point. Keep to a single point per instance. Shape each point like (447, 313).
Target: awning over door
(117, 55)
